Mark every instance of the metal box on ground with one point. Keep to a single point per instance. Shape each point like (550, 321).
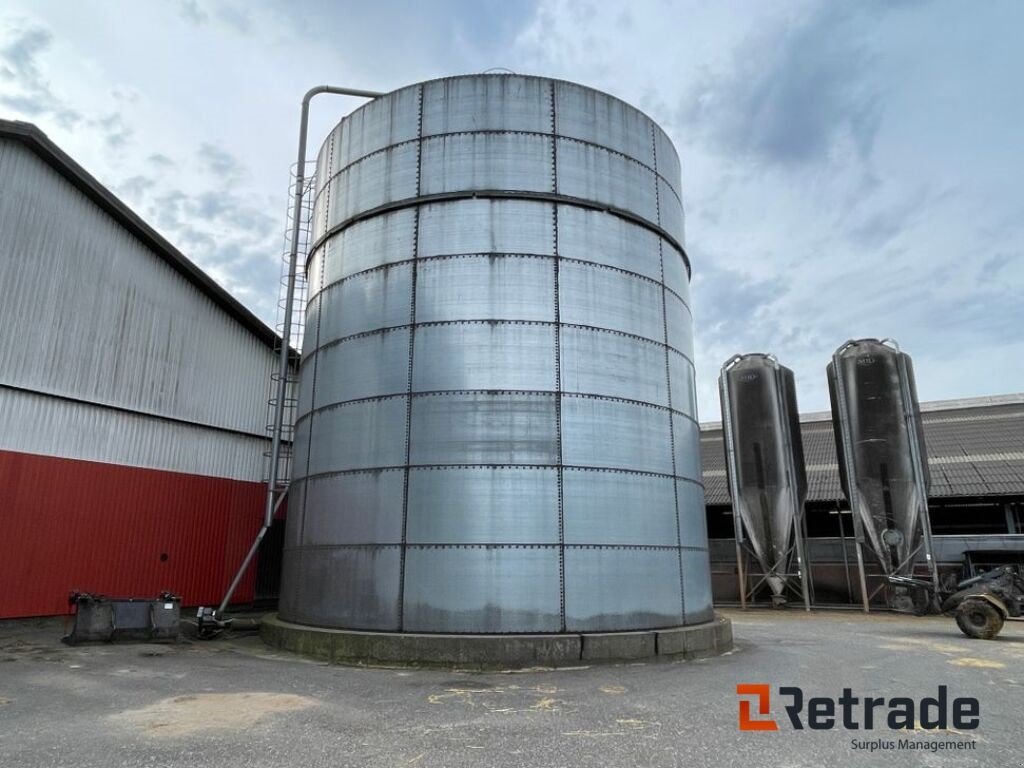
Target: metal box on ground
(99, 618)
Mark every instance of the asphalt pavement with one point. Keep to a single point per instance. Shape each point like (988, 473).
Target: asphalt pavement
(234, 702)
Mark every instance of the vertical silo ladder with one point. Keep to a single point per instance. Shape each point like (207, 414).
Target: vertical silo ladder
(291, 399)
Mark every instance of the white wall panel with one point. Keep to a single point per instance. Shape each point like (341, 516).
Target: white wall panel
(31, 423)
(89, 312)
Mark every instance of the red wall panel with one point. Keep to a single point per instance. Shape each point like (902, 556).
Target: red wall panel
(121, 531)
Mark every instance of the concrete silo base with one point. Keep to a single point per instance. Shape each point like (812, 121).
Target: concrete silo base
(342, 646)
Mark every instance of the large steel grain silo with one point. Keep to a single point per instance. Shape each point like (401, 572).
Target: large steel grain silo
(882, 461)
(767, 478)
(497, 428)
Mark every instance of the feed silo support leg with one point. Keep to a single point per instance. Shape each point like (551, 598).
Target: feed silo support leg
(803, 568)
(276, 493)
(860, 573)
(740, 575)
(846, 554)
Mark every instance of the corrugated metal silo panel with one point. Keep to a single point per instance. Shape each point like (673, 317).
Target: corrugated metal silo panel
(505, 161)
(677, 279)
(686, 438)
(486, 226)
(594, 173)
(601, 363)
(377, 124)
(483, 505)
(369, 301)
(305, 400)
(604, 507)
(363, 366)
(384, 177)
(370, 243)
(680, 326)
(482, 589)
(616, 435)
(486, 104)
(693, 522)
(485, 288)
(483, 355)
(684, 385)
(315, 272)
(353, 587)
(371, 514)
(670, 212)
(479, 428)
(609, 588)
(668, 161)
(361, 435)
(697, 583)
(607, 298)
(602, 119)
(311, 328)
(300, 444)
(590, 235)
(296, 513)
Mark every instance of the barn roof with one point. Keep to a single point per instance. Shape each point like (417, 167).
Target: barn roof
(975, 447)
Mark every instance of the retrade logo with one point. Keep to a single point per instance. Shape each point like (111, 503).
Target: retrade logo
(853, 713)
(762, 694)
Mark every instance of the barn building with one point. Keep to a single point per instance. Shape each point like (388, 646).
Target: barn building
(975, 451)
(133, 399)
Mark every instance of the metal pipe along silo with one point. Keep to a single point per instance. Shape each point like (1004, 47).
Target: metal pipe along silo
(497, 425)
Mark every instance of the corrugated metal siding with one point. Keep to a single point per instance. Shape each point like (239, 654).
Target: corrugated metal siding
(76, 525)
(89, 312)
(32, 423)
(972, 451)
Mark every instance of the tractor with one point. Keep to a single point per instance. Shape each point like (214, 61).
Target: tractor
(990, 590)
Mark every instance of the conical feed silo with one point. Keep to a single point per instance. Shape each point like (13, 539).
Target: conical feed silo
(767, 477)
(497, 425)
(883, 462)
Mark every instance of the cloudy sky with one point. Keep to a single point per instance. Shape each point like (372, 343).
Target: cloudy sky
(849, 169)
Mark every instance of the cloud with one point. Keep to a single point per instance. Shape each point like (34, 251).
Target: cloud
(795, 92)
(191, 11)
(217, 221)
(23, 87)
(886, 219)
(849, 169)
(727, 302)
(217, 161)
(134, 188)
(400, 41)
(116, 133)
(160, 160)
(19, 53)
(993, 266)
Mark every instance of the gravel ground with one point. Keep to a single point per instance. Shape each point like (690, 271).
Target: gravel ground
(233, 702)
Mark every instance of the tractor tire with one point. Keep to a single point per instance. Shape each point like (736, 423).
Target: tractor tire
(979, 619)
